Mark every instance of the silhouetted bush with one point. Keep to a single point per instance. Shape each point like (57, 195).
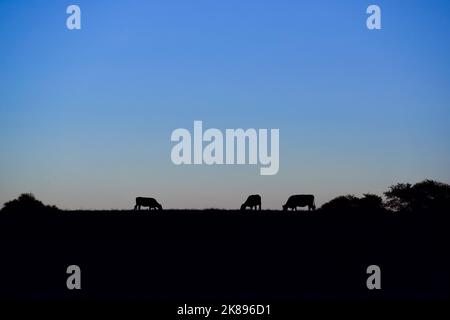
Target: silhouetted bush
(341, 203)
(27, 203)
(369, 202)
(425, 195)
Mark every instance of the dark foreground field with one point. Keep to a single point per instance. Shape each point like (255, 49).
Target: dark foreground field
(229, 255)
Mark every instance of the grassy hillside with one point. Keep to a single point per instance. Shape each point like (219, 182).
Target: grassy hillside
(218, 254)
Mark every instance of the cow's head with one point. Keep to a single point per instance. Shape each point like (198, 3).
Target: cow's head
(285, 207)
(243, 206)
(159, 206)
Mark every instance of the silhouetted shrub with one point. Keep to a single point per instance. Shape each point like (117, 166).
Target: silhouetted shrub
(26, 202)
(425, 195)
(369, 202)
(341, 203)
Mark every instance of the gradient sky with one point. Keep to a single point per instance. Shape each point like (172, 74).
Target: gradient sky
(86, 115)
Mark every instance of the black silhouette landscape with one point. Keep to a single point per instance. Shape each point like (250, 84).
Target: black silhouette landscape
(233, 254)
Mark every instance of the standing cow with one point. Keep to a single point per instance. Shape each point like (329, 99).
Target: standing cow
(252, 202)
(151, 203)
(300, 200)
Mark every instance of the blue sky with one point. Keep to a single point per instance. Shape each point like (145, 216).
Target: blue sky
(86, 115)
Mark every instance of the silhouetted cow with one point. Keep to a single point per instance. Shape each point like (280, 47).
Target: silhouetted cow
(253, 202)
(151, 203)
(300, 200)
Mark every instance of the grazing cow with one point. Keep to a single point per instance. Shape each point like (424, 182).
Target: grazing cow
(300, 200)
(151, 203)
(252, 202)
